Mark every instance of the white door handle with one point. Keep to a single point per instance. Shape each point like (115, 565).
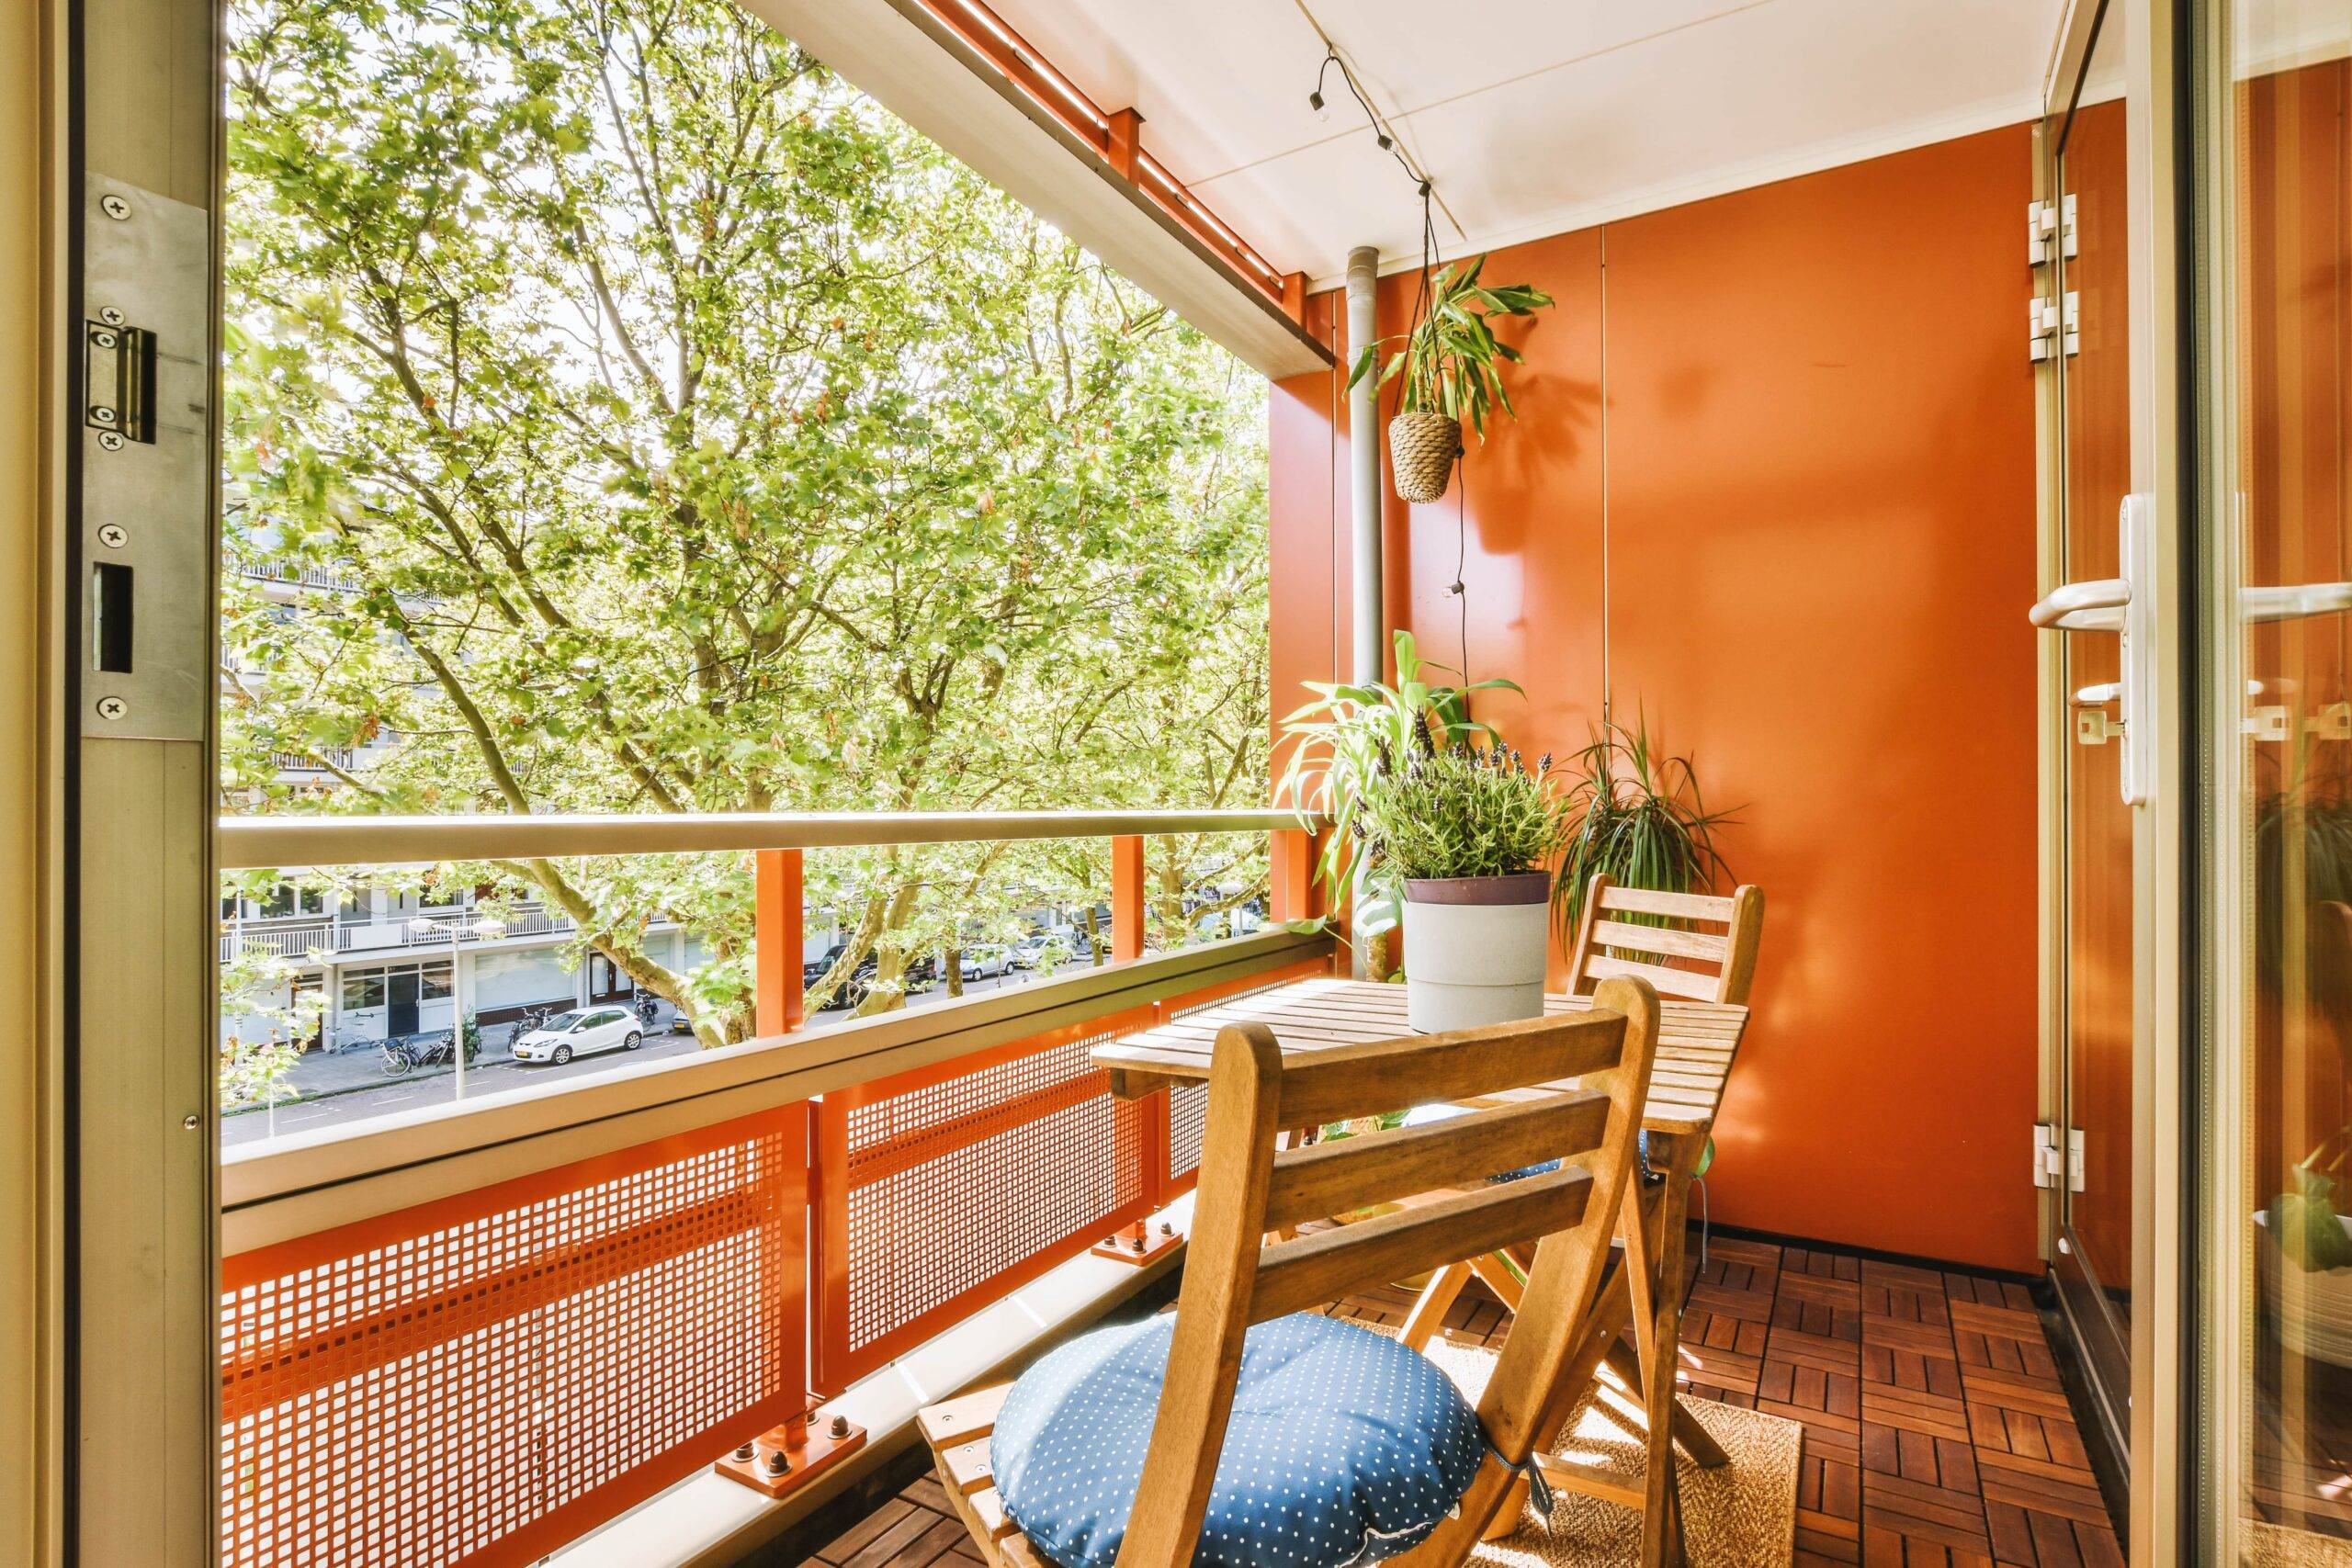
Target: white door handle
(2094, 607)
(2111, 604)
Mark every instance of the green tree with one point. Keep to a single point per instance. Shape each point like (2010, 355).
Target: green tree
(695, 437)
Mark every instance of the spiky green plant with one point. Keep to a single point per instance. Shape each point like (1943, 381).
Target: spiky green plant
(1638, 817)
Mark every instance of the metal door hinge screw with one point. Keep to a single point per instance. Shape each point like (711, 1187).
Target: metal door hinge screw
(838, 1427)
(112, 534)
(110, 316)
(112, 707)
(109, 441)
(102, 415)
(188, 1123)
(114, 206)
(778, 1463)
(745, 1452)
(104, 339)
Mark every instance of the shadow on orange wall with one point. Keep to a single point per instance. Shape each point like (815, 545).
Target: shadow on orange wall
(1774, 488)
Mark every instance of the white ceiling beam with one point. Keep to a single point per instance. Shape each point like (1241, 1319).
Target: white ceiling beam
(919, 70)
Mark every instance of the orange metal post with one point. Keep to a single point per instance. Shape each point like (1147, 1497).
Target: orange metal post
(776, 943)
(1123, 140)
(1292, 875)
(1127, 897)
(1294, 297)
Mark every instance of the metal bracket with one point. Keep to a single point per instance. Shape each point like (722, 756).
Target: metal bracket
(2333, 722)
(1140, 1242)
(784, 1459)
(2049, 1165)
(2094, 727)
(147, 464)
(2045, 222)
(2054, 326)
(2267, 723)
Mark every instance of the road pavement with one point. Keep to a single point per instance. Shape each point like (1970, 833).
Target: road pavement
(350, 1086)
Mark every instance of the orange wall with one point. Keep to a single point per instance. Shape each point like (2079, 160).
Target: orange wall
(1774, 486)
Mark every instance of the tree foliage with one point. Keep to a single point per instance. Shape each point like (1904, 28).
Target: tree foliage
(693, 437)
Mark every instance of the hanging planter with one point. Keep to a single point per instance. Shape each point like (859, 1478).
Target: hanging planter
(1422, 449)
(1451, 364)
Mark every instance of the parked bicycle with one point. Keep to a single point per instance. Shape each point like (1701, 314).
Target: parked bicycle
(532, 1019)
(407, 1053)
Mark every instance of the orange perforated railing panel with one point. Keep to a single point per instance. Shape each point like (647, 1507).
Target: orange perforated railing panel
(944, 1187)
(481, 1379)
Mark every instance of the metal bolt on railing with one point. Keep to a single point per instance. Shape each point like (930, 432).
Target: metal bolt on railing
(778, 1464)
(1167, 1227)
(746, 1452)
(838, 1427)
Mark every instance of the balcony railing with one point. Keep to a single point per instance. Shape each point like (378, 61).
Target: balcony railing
(299, 936)
(308, 576)
(477, 1331)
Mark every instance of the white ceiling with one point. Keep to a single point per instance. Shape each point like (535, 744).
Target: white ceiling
(1534, 117)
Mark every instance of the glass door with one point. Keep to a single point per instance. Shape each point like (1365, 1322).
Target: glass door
(2085, 284)
(2277, 1215)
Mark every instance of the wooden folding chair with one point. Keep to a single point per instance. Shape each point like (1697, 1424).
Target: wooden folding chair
(1249, 1189)
(1679, 960)
(1686, 959)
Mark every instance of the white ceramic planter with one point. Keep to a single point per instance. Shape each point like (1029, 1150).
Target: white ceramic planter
(1475, 950)
(2314, 1309)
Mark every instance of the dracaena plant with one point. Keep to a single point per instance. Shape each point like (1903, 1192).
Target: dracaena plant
(1350, 749)
(1451, 359)
(1638, 816)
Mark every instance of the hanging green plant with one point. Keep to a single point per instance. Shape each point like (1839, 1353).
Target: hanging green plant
(1452, 362)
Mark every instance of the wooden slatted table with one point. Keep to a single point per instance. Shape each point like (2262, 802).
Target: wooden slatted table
(1698, 1042)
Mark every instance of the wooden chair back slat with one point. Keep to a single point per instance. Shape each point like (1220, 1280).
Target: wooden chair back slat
(1678, 960)
(1671, 982)
(1349, 1083)
(1680, 906)
(1342, 1175)
(1321, 1268)
(1231, 1280)
(1665, 940)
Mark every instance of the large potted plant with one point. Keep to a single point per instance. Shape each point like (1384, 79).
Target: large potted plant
(1636, 817)
(1437, 825)
(1452, 362)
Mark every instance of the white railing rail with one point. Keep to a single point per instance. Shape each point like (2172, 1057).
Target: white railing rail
(294, 1185)
(255, 842)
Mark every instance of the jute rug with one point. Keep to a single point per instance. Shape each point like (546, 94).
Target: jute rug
(1743, 1514)
(2274, 1546)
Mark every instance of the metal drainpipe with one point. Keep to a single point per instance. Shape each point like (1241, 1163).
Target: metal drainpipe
(1363, 462)
(1363, 454)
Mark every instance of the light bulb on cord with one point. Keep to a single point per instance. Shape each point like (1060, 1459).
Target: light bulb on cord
(1314, 101)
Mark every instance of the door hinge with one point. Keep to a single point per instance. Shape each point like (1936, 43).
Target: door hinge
(2046, 221)
(2054, 325)
(2050, 1165)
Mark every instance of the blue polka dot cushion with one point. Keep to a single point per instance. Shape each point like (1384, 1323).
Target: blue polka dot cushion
(1344, 1447)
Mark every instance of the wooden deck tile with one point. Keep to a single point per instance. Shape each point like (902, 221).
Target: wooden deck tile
(1936, 1430)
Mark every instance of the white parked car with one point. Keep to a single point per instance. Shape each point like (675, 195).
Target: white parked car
(579, 1032)
(986, 962)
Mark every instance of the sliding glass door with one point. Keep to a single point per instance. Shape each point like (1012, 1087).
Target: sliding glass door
(2277, 1273)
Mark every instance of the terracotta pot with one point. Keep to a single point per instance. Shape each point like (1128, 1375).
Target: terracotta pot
(1422, 449)
(1474, 949)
